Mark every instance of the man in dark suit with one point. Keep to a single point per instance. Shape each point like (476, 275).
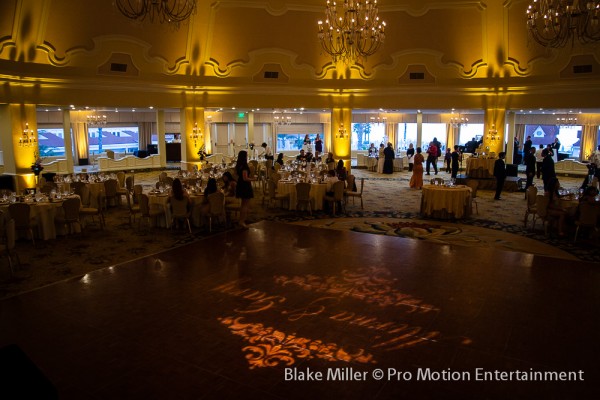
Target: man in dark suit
(548, 171)
(500, 174)
(530, 165)
(527, 147)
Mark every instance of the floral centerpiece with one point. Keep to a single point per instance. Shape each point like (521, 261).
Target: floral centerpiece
(202, 153)
(37, 166)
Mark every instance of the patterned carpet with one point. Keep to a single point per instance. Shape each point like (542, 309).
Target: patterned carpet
(391, 208)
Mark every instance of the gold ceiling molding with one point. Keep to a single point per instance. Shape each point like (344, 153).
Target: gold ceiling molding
(418, 8)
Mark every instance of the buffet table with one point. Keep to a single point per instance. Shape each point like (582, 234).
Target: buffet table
(480, 167)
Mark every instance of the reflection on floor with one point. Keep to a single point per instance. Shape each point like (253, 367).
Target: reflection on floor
(283, 311)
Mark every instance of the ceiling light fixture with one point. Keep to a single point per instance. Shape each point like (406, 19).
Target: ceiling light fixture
(554, 23)
(161, 11)
(351, 30)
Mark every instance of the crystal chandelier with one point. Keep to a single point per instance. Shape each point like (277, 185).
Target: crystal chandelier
(27, 138)
(96, 120)
(281, 119)
(162, 11)
(458, 121)
(554, 23)
(196, 134)
(352, 30)
(568, 120)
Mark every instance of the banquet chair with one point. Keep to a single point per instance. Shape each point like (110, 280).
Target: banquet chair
(216, 210)
(129, 181)
(70, 215)
(232, 207)
(121, 188)
(350, 182)
(354, 194)
(180, 211)
(541, 206)
(134, 208)
(8, 242)
(21, 214)
(77, 188)
(110, 192)
(274, 196)
(474, 185)
(588, 218)
(88, 211)
(530, 196)
(303, 196)
(148, 212)
(337, 197)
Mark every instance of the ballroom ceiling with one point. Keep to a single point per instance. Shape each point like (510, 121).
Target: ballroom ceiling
(468, 55)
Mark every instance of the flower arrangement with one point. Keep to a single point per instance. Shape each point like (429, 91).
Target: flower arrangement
(37, 166)
(202, 153)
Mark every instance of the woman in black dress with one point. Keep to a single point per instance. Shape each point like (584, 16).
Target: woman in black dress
(388, 164)
(318, 146)
(243, 189)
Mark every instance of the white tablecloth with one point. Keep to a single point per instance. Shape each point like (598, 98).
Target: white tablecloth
(317, 192)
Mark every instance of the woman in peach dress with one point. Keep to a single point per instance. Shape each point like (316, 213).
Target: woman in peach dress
(416, 180)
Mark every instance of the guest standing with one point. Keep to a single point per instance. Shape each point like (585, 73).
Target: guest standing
(410, 153)
(548, 171)
(432, 154)
(416, 180)
(243, 189)
(318, 146)
(527, 147)
(539, 158)
(530, 164)
(555, 147)
(448, 160)
(455, 157)
(388, 164)
(500, 174)
(372, 150)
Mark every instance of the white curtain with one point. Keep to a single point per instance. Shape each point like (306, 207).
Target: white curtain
(452, 135)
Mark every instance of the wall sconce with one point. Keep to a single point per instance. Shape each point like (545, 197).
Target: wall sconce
(493, 134)
(27, 138)
(342, 133)
(196, 134)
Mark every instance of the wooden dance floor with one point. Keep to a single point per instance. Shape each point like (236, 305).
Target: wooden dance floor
(289, 312)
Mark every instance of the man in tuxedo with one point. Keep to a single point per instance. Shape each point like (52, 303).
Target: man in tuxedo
(530, 165)
(500, 174)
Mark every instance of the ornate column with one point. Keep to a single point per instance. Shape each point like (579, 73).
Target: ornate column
(160, 131)
(341, 135)
(192, 137)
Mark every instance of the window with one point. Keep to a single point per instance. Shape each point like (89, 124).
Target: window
(433, 131)
(293, 141)
(117, 139)
(51, 142)
(407, 134)
(468, 132)
(363, 134)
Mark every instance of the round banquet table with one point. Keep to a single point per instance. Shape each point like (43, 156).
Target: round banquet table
(317, 192)
(480, 167)
(446, 202)
(162, 200)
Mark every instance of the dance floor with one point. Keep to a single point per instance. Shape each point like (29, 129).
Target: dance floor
(292, 312)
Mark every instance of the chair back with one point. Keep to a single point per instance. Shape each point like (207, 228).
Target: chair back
(20, 213)
(137, 191)
(144, 204)
(276, 167)
(121, 179)
(588, 214)
(362, 185)
(162, 176)
(350, 181)
(129, 183)
(216, 202)
(110, 187)
(474, 185)
(541, 205)
(71, 208)
(338, 190)
(531, 194)
(110, 154)
(303, 191)
(275, 177)
(272, 189)
(180, 208)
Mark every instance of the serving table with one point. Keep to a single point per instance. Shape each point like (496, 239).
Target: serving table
(446, 202)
